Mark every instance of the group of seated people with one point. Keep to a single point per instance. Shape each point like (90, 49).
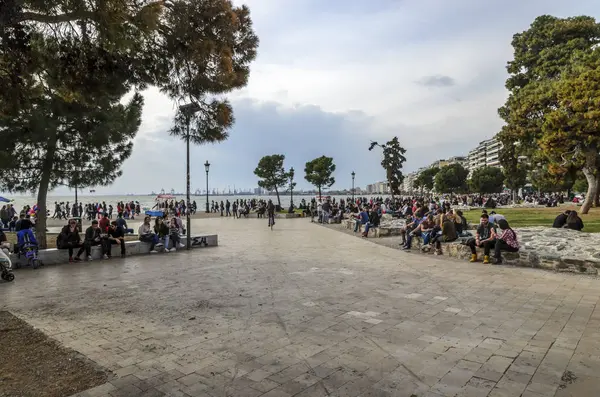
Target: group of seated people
(106, 233)
(447, 225)
(97, 234)
(568, 220)
(434, 226)
(164, 233)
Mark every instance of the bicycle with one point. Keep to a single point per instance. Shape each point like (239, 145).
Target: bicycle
(271, 220)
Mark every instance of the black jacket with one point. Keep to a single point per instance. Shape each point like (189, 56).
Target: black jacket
(66, 236)
(92, 235)
(560, 221)
(374, 218)
(117, 232)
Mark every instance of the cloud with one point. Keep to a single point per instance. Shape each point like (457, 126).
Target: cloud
(436, 81)
(333, 75)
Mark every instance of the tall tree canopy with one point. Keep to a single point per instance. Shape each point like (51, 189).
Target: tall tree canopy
(65, 66)
(551, 106)
(392, 162)
(319, 172)
(272, 174)
(487, 180)
(452, 179)
(426, 179)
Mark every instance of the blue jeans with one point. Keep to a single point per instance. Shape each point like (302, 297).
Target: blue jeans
(409, 238)
(357, 225)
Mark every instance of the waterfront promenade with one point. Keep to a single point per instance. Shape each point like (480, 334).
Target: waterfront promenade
(308, 311)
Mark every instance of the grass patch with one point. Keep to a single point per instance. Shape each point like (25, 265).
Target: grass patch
(523, 217)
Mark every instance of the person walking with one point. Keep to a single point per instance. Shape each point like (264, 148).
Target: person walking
(271, 213)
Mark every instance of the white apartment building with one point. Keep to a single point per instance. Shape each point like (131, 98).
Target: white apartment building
(407, 184)
(378, 188)
(487, 153)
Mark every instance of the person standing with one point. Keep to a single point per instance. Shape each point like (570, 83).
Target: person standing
(235, 209)
(271, 213)
(227, 208)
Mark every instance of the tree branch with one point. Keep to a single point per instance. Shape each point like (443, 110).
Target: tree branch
(52, 19)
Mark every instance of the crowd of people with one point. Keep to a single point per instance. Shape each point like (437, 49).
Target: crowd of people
(436, 222)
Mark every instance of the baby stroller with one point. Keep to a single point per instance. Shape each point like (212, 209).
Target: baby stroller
(27, 247)
(5, 267)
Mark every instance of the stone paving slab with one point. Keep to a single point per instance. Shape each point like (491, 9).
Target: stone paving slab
(304, 311)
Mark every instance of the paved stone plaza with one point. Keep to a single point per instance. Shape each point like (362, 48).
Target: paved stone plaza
(307, 311)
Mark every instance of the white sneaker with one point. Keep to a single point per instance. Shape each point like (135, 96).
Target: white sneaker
(173, 249)
(89, 258)
(181, 245)
(154, 252)
(105, 256)
(166, 251)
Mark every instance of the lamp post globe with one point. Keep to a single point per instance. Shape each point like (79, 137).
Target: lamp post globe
(353, 175)
(206, 168)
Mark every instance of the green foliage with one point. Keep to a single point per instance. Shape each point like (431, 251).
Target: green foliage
(319, 172)
(487, 180)
(65, 66)
(580, 185)
(271, 173)
(426, 179)
(553, 102)
(393, 160)
(452, 179)
(291, 184)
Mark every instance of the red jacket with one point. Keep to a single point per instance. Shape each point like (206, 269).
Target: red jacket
(104, 223)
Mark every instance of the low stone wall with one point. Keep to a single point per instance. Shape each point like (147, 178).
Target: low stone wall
(53, 256)
(541, 247)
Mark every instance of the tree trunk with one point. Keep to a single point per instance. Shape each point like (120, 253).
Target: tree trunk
(320, 193)
(597, 198)
(278, 199)
(40, 224)
(592, 175)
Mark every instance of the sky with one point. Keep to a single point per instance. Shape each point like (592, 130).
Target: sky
(333, 75)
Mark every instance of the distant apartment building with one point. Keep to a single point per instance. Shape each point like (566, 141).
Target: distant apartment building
(487, 153)
(378, 188)
(407, 184)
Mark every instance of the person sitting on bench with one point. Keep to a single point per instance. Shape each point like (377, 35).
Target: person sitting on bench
(147, 235)
(116, 235)
(92, 238)
(69, 239)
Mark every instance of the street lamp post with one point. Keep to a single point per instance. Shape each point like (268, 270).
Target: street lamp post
(188, 110)
(206, 167)
(292, 188)
(353, 175)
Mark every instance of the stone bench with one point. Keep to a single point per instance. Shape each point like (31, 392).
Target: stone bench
(53, 256)
(525, 257)
(382, 231)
